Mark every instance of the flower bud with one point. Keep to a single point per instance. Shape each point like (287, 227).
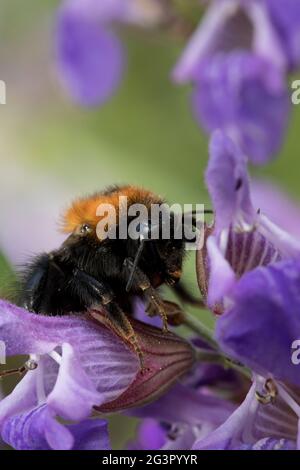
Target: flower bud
(166, 358)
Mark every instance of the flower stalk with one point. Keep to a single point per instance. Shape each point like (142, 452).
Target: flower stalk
(195, 325)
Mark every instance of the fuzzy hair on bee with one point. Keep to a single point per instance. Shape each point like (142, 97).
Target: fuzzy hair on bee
(87, 273)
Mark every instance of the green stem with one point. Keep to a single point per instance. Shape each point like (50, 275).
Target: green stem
(213, 357)
(216, 356)
(238, 367)
(202, 330)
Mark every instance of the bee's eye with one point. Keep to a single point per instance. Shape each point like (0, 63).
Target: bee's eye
(85, 228)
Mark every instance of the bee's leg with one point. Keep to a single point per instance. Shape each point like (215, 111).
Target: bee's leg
(174, 312)
(141, 283)
(156, 306)
(89, 289)
(97, 292)
(116, 320)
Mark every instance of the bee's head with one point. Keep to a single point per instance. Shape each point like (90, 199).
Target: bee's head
(153, 239)
(158, 247)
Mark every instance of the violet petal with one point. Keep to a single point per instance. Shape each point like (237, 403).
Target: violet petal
(286, 19)
(186, 406)
(264, 321)
(227, 181)
(37, 429)
(244, 95)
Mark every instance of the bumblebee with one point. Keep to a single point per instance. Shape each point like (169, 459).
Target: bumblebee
(88, 272)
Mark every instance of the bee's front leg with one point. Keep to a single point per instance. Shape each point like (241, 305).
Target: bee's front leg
(97, 293)
(141, 283)
(116, 320)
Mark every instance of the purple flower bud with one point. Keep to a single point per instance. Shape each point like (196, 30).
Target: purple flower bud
(237, 60)
(166, 358)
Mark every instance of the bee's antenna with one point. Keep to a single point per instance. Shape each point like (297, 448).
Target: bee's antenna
(135, 263)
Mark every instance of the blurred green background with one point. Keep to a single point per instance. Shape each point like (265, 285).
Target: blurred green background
(52, 150)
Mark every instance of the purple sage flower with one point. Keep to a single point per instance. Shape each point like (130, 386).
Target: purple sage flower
(37, 429)
(253, 426)
(191, 409)
(179, 418)
(81, 366)
(242, 237)
(230, 25)
(237, 62)
(259, 330)
(246, 96)
(91, 57)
